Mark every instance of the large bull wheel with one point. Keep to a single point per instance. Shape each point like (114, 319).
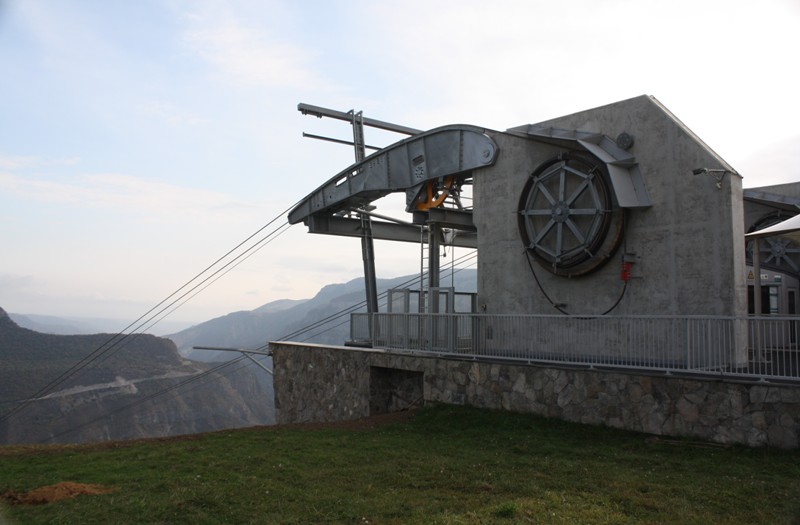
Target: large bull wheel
(568, 219)
(776, 252)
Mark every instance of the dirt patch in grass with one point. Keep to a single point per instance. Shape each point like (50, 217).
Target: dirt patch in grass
(354, 425)
(51, 493)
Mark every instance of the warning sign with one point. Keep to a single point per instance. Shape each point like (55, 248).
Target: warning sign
(750, 275)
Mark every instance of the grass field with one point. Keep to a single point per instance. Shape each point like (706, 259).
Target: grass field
(443, 464)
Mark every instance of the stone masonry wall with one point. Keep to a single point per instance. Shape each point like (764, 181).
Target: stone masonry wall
(323, 383)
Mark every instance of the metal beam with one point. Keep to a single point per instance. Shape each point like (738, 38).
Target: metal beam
(338, 141)
(225, 349)
(773, 200)
(447, 218)
(308, 109)
(385, 231)
(242, 351)
(256, 361)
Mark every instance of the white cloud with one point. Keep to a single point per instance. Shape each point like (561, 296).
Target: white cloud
(9, 162)
(14, 282)
(724, 68)
(248, 56)
(68, 40)
(17, 162)
(778, 163)
(514, 62)
(125, 193)
(170, 114)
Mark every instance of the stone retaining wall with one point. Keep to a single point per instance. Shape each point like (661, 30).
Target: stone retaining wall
(326, 383)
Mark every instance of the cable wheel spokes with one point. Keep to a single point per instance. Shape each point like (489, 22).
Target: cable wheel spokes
(565, 213)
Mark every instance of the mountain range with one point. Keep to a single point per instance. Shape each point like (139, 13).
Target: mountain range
(78, 388)
(51, 324)
(110, 398)
(323, 319)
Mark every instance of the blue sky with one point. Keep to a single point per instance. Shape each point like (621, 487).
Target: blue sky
(139, 141)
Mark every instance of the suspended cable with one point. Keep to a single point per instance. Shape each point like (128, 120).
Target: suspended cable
(118, 338)
(205, 377)
(356, 306)
(211, 279)
(328, 329)
(465, 258)
(145, 399)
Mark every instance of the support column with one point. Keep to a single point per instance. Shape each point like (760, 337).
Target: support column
(757, 276)
(368, 255)
(434, 258)
(757, 293)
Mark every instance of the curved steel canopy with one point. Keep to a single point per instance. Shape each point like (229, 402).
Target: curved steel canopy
(457, 149)
(403, 166)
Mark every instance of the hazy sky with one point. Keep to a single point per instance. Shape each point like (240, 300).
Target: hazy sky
(141, 140)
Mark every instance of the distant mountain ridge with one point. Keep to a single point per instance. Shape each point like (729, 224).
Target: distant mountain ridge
(50, 324)
(279, 305)
(289, 319)
(110, 398)
(95, 401)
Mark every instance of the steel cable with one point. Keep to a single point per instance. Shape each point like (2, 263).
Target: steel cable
(117, 339)
(255, 248)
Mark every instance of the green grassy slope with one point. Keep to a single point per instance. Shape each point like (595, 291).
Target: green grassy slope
(448, 465)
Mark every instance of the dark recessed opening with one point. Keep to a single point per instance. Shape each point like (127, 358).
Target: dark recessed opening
(393, 390)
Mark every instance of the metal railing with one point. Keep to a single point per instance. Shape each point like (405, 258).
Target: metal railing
(754, 347)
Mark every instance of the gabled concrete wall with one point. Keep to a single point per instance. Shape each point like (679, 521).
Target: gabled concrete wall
(689, 246)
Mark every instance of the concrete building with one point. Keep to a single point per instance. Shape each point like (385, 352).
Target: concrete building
(780, 257)
(685, 246)
(612, 280)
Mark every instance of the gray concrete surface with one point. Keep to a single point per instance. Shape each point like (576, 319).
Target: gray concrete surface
(688, 247)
